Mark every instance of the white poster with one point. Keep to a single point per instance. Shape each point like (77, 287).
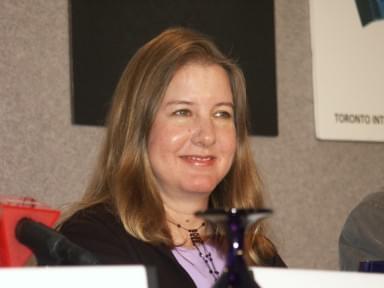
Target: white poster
(348, 69)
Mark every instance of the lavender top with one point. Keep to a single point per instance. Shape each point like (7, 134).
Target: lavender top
(190, 260)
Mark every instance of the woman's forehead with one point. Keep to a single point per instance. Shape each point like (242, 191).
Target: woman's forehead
(199, 80)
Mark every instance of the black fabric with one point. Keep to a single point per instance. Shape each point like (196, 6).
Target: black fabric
(101, 232)
(106, 34)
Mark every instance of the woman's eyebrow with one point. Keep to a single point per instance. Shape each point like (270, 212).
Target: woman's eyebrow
(176, 102)
(230, 104)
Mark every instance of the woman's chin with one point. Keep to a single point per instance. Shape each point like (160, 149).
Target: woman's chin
(201, 187)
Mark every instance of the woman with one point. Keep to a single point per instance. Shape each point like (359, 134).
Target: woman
(176, 143)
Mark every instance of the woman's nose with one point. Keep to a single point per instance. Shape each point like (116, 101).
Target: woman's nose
(204, 133)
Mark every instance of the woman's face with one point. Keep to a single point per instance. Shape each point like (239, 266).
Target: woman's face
(193, 138)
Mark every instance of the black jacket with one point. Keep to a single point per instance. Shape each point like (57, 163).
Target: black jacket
(101, 232)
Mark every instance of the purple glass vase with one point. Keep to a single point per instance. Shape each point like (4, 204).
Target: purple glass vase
(237, 274)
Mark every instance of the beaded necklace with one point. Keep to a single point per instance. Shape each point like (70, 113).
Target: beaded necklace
(199, 245)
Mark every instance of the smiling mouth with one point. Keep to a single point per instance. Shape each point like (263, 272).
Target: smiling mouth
(199, 160)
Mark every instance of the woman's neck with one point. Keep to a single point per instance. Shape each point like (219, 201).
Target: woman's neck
(181, 217)
(185, 214)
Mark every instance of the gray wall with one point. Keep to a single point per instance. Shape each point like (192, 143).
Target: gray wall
(311, 184)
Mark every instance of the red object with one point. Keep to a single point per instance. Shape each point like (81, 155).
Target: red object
(13, 209)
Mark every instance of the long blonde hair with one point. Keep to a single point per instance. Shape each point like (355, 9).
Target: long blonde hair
(123, 177)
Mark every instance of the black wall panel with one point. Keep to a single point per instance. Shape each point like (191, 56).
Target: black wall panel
(106, 33)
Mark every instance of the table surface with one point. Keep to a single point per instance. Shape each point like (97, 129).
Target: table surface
(136, 276)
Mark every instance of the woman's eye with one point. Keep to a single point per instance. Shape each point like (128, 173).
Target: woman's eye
(223, 114)
(182, 112)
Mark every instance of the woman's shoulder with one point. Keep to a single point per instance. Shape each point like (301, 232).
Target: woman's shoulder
(95, 214)
(275, 261)
(97, 223)
(270, 255)
(98, 229)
